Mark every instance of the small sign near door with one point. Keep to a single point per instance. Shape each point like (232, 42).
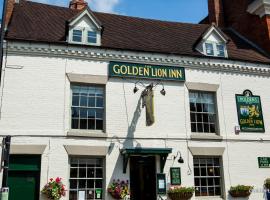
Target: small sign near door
(175, 173)
(161, 184)
(264, 162)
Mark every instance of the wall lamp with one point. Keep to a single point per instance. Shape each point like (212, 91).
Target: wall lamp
(180, 160)
(136, 89)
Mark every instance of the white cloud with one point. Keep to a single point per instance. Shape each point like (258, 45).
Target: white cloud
(107, 6)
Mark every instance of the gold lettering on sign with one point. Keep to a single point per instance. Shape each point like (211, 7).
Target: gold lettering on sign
(116, 69)
(124, 69)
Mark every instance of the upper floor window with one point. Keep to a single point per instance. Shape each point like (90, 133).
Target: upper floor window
(203, 112)
(91, 37)
(87, 107)
(77, 35)
(214, 49)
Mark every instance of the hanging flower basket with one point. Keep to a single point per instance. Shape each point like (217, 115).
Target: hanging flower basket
(180, 193)
(118, 189)
(54, 189)
(240, 191)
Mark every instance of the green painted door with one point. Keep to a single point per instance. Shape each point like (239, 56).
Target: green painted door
(23, 177)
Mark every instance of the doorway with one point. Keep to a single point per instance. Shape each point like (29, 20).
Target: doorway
(24, 177)
(143, 177)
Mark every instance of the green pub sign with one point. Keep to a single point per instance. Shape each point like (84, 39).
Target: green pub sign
(249, 111)
(175, 173)
(135, 70)
(264, 162)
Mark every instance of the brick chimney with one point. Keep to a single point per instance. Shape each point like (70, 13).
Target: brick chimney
(216, 14)
(77, 4)
(9, 10)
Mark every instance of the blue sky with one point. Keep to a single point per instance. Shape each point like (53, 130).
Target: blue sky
(191, 11)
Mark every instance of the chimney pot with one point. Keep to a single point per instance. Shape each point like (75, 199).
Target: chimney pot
(77, 4)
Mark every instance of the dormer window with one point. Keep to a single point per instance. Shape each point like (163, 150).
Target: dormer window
(214, 49)
(91, 37)
(213, 43)
(85, 29)
(77, 35)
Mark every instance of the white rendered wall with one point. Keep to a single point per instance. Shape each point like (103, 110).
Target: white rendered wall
(36, 102)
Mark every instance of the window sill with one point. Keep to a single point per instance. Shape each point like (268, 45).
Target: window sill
(205, 136)
(87, 133)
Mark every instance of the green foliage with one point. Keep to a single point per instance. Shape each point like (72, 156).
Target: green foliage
(182, 190)
(240, 188)
(267, 183)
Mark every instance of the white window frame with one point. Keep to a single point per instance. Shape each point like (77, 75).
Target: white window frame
(87, 107)
(103, 178)
(216, 51)
(220, 176)
(84, 36)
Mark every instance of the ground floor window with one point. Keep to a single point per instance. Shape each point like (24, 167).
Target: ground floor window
(207, 175)
(86, 178)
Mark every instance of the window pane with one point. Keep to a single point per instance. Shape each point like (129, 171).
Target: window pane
(92, 37)
(77, 36)
(99, 124)
(192, 106)
(82, 172)
(90, 183)
(193, 127)
(75, 124)
(75, 112)
(209, 49)
(73, 184)
(91, 124)
(91, 102)
(99, 173)
(82, 183)
(99, 102)
(73, 195)
(90, 172)
(73, 172)
(83, 123)
(83, 101)
(200, 127)
(98, 183)
(75, 100)
(221, 50)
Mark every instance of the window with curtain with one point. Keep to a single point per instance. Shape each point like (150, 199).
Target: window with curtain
(203, 112)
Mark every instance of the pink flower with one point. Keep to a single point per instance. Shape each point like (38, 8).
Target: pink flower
(58, 180)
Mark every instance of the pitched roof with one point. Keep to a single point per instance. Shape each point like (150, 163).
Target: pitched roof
(33, 21)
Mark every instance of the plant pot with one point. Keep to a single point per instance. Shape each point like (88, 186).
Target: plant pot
(180, 196)
(239, 193)
(115, 195)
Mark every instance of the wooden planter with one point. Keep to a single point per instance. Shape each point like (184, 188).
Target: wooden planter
(180, 196)
(240, 193)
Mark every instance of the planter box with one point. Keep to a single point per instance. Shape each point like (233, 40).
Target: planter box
(240, 194)
(180, 196)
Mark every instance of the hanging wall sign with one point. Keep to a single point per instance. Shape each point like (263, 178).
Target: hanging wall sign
(175, 173)
(249, 110)
(264, 162)
(135, 70)
(161, 183)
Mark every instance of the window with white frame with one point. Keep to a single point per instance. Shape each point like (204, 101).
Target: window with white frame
(214, 49)
(86, 178)
(87, 110)
(207, 176)
(203, 112)
(91, 37)
(77, 35)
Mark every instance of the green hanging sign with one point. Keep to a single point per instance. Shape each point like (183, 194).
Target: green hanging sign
(249, 109)
(135, 70)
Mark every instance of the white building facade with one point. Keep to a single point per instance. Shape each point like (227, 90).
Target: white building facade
(59, 103)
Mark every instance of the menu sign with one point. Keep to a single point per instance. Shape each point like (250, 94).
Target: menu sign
(175, 173)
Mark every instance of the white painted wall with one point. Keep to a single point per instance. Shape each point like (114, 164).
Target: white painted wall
(36, 102)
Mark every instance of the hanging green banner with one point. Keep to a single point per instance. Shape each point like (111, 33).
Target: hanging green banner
(250, 114)
(264, 162)
(135, 70)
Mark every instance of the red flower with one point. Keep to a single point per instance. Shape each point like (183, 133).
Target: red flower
(51, 179)
(58, 180)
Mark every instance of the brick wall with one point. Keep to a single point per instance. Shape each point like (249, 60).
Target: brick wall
(233, 14)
